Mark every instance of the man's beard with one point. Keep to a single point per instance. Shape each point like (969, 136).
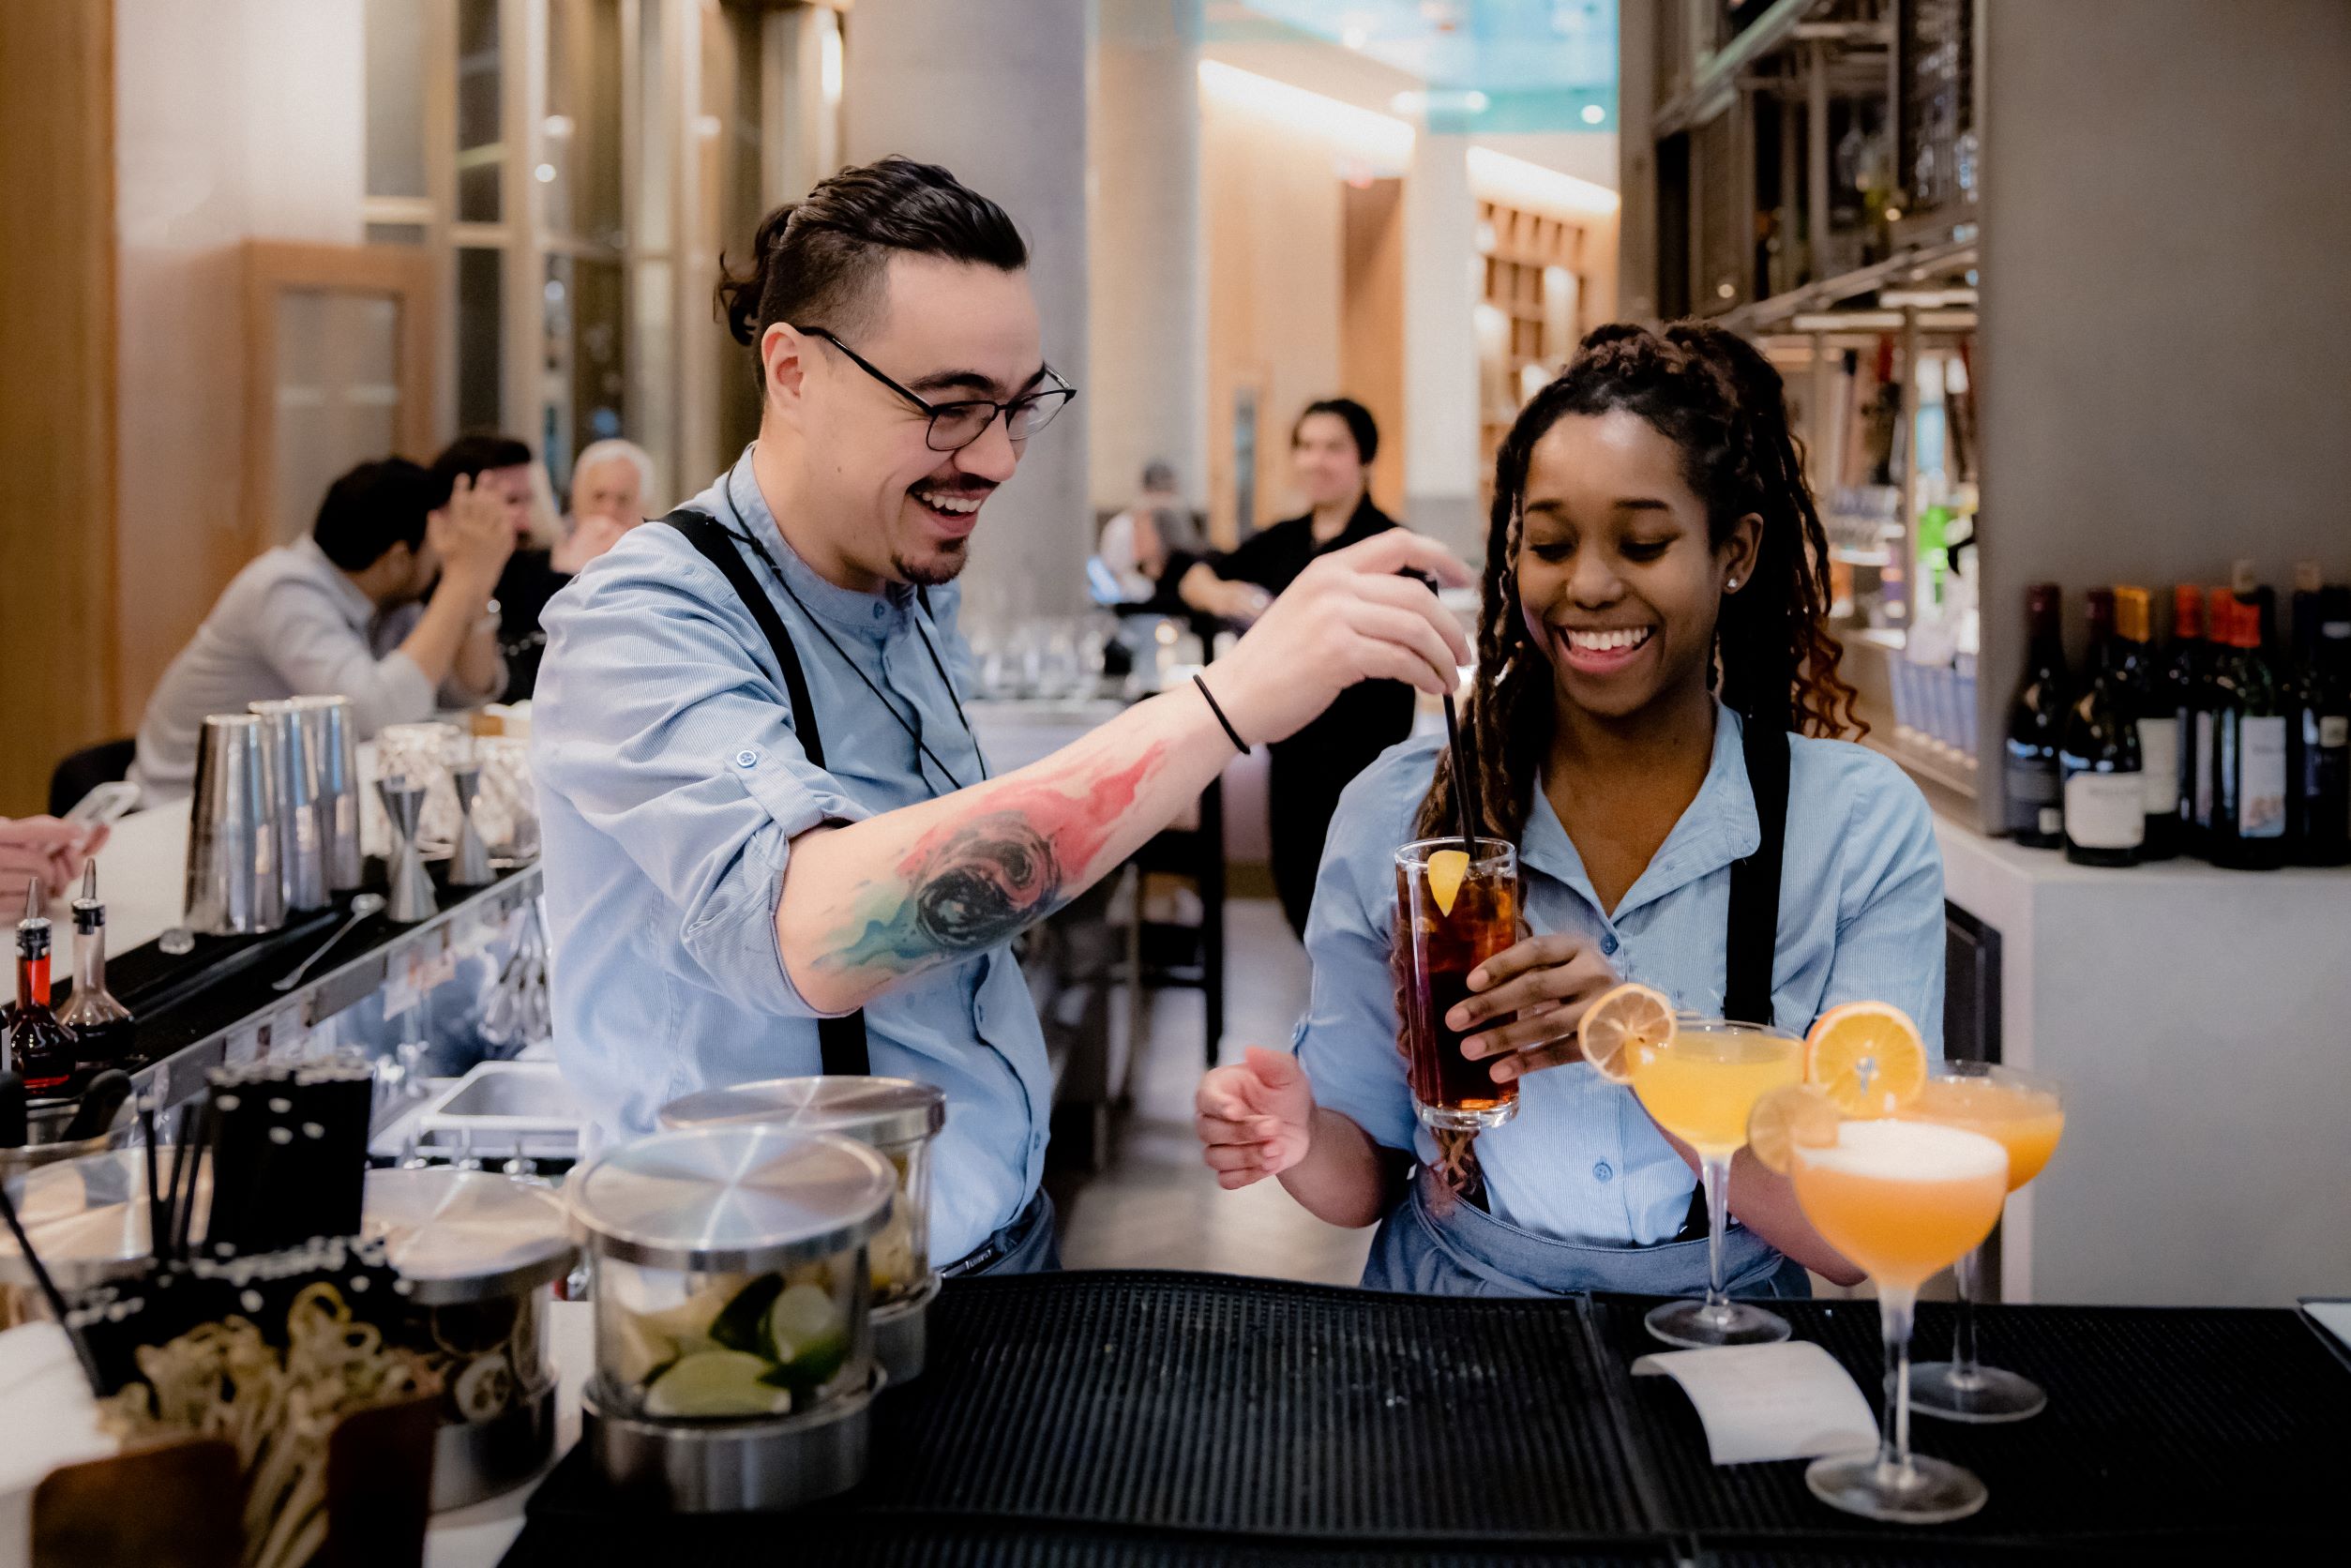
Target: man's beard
(938, 572)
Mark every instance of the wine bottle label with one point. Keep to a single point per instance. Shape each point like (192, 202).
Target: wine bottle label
(2334, 730)
(2106, 810)
(2261, 777)
(2159, 755)
(2032, 795)
(2204, 770)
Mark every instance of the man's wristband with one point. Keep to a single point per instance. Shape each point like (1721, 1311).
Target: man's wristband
(1239, 745)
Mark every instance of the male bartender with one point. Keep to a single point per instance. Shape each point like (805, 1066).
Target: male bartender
(773, 846)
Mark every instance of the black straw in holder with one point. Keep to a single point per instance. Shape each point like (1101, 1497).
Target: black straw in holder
(156, 1227)
(1460, 782)
(51, 1293)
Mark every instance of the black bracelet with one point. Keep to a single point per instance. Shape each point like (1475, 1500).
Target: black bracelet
(1240, 744)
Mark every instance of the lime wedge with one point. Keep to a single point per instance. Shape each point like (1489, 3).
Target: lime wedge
(715, 1384)
(1446, 867)
(804, 1321)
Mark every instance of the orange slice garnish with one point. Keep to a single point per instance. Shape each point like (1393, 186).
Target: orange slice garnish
(1867, 1057)
(1446, 869)
(1624, 1031)
(1793, 1116)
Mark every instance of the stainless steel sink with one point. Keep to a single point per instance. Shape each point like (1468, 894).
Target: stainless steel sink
(515, 1091)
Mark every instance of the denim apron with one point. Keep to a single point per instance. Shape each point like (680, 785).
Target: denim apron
(1435, 1243)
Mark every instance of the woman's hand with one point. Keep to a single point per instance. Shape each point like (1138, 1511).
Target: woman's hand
(1526, 1001)
(1255, 1120)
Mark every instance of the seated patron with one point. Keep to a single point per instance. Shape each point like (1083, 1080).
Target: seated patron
(386, 601)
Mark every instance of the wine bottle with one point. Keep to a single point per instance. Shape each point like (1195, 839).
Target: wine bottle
(40, 1048)
(2035, 722)
(2220, 605)
(2248, 822)
(2178, 686)
(2151, 715)
(2098, 759)
(2318, 798)
(102, 1027)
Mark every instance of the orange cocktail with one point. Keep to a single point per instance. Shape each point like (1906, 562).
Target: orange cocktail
(1902, 1198)
(2025, 1119)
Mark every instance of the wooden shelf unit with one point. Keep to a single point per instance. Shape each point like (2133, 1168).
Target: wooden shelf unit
(1520, 250)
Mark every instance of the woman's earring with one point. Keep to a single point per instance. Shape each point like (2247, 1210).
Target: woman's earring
(1731, 587)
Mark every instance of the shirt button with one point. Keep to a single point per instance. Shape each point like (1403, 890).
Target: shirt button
(1604, 1172)
(746, 758)
(1608, 943)
(878, 611)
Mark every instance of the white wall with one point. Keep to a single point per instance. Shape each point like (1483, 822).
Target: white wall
(1147, 383)
(233, 119)
(1441, 284)
(1005, 107)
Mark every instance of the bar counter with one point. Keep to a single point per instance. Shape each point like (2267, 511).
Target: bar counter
(1175, 1418)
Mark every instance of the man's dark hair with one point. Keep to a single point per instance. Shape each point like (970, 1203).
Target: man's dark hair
(371, 508)
(819, 261)
(473, 455)
(1360, 424)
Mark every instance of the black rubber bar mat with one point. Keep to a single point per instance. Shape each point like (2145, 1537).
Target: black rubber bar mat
(2162, 1424)
(1249, 1407)
(847, 1539)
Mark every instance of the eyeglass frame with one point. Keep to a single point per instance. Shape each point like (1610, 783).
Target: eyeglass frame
(1062, 389)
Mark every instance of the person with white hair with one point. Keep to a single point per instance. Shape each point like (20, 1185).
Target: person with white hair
(610, 483)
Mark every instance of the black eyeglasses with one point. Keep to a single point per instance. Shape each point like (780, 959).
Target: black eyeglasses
(957, 425)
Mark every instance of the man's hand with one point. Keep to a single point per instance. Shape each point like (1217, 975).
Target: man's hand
(1348, 617)
(1526, 1001)
(1253, 1120)
(46, 848)
(473, 539)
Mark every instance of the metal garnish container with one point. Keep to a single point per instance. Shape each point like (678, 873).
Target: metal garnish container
(479, 1254)
(733, 1297)
(898, 1118)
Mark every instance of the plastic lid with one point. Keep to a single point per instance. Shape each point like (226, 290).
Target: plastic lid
(467, 1235)
(882, 1111)
(752, 1196)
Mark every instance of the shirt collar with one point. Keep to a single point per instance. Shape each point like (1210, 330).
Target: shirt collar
(872, 617)
(1718, 828)
(358, 607)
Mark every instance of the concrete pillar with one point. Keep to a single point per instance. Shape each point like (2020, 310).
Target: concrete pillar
(1005, 107)
(1442, 492)
(1147, 383)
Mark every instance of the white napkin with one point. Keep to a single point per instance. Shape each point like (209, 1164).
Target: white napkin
(1785, 1401)
(53, 1421)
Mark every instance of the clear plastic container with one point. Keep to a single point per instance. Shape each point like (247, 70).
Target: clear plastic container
(730, 1270)
(896, 1118)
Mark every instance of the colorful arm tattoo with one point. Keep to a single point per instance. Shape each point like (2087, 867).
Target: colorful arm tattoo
(973, 884)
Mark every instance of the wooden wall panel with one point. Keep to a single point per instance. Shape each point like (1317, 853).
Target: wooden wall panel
(1371, 324)
(56, 389)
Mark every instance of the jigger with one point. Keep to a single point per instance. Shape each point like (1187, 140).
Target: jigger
(469, 862)
(412, 899)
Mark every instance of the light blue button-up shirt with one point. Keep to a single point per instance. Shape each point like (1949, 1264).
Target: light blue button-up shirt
(1861, 919)
(671, 785)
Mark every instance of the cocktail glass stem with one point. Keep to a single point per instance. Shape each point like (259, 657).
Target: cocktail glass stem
(1715, 1171)
(1963, 1342)
(1894, 1312)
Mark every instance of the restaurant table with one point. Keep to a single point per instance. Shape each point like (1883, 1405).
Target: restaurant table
(1132, 1416)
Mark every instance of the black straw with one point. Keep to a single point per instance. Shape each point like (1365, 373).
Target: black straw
(51, 1293)
(1460, 781)
(156, 1228)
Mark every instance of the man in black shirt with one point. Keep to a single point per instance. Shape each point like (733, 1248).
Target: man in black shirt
(1331, 449)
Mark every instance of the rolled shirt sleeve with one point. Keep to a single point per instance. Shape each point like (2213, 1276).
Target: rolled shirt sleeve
(656, 726)
(1890, 938)
(1348, 1040)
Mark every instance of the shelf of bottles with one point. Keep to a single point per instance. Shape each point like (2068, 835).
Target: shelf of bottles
(2230, 741)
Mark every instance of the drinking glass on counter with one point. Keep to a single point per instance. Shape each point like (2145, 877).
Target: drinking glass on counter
(1902, 1198)
(1452, 913)
(2026, 1115)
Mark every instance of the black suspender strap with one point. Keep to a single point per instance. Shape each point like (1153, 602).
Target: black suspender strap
(841, 1042)
(1751, 939)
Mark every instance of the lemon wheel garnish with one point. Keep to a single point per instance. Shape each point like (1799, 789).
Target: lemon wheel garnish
(1446, 869)
(1867, 1057)
(1624, 1030)
(1793, 1116)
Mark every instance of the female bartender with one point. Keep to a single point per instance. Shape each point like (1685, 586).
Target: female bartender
(1651, 631)
(1331, 449)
